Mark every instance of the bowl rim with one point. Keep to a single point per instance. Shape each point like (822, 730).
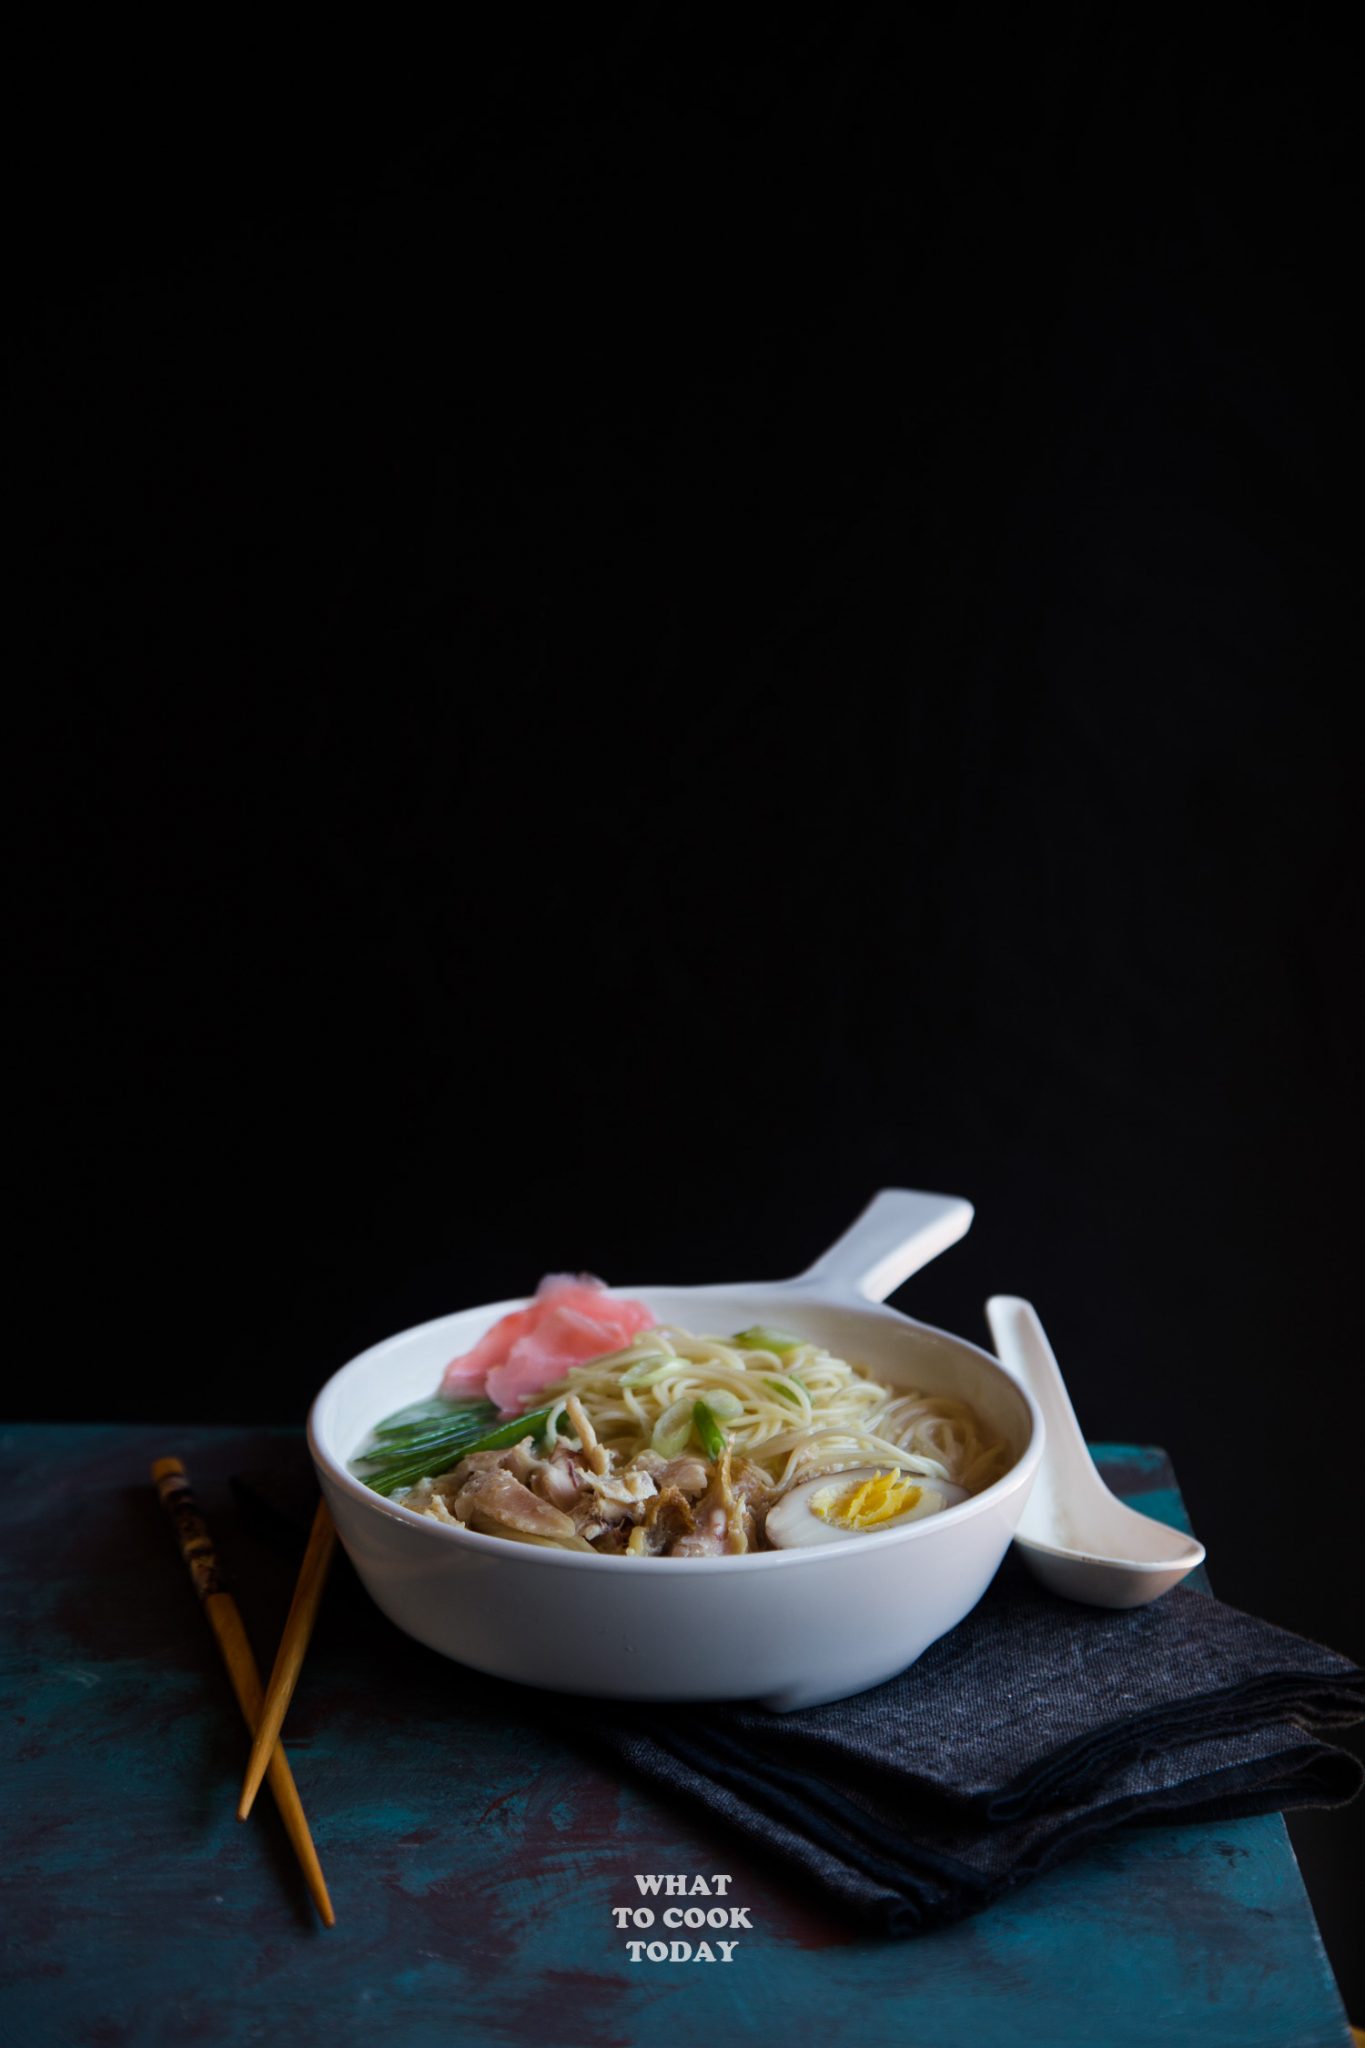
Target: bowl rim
(357, 1491)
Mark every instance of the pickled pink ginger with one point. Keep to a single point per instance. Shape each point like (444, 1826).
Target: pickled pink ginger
(571, 1319)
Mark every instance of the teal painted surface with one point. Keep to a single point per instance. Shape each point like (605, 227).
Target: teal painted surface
(474, 1857)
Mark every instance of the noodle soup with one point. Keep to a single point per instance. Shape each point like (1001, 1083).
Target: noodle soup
(680, 1445)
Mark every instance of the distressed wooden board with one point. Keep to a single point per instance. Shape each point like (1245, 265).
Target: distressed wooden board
(473, 1857)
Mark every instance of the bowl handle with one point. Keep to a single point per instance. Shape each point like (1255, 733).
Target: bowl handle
(899, 1231)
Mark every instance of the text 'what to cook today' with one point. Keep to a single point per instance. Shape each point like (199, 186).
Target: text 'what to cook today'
(707, 1921)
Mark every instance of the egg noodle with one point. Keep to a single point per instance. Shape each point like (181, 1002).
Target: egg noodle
(794, 1410)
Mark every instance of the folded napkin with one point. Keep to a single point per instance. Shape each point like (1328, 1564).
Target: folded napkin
(1033, 1728)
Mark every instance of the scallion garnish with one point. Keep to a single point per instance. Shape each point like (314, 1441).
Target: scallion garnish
(672, 1429)
(392, 1464)
(762, 1337)
(724, 1405)
(425, 1415)
(709, 1431)
(651, 1367)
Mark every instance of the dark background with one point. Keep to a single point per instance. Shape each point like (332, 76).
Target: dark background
(645, 630)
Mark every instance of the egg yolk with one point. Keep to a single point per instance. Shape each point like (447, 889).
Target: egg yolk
(870, 1503)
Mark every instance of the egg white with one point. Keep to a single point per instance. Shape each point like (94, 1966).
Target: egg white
(793, 1520)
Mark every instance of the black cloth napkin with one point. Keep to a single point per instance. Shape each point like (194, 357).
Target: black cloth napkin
(1032, 1729)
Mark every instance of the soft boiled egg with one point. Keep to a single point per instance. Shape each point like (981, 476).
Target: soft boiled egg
(858, 1503)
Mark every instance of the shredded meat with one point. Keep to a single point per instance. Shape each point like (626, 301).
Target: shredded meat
(592, 1517)
(425, 1498)
(559, 1478)
(649, 1461)
(719, 1526)
(586, 1434)
(668, 1517)
(496, 1496)
(753, 1494)
(688, 1474)
(629, 1489)
(520, 1461)
(729, 1520)
(652, 1507)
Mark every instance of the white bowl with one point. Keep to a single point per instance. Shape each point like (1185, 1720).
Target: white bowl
(789, 1628)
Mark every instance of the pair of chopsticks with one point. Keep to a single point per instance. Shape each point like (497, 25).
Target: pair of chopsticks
(263, 1714)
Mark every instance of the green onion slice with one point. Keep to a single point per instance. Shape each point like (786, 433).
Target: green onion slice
(672, 1429)
(762, 1337)
(724, 1404)
(651, 1367)
(709, 1431)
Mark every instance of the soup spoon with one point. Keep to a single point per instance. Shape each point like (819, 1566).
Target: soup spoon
(1075, 1535)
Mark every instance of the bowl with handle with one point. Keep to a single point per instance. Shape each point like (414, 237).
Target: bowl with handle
(787, 1628)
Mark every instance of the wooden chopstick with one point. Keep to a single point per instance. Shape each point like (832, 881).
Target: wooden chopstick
(298, 1629)
(196, 1547)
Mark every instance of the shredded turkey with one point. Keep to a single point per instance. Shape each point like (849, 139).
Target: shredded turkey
(558, 1478)
(498, 1497)
(652, 1506)
(728, 1520)
(520, 1461)
(627, 1489)
(668, 1517)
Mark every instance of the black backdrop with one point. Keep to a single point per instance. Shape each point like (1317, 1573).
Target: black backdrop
(643, 632)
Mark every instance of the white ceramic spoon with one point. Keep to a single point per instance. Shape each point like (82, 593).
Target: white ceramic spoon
(1076, 1536)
